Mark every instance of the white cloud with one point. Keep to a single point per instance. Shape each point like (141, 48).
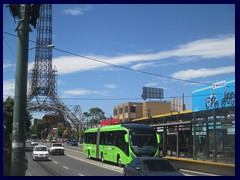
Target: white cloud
(8, 65)
(77, 10)
(151, 84)
(110, 86)
(223, 46)
(84, 92)
(8, 87)
(141, 65)
(204, 72)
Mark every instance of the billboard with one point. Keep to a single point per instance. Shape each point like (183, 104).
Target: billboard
(154, 93)
(216, 95)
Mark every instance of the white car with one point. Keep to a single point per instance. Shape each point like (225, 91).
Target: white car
(56, 148)
(40, 152)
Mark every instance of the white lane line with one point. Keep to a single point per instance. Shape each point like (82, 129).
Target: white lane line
(55, 162)
(65, 167)
(80, 174)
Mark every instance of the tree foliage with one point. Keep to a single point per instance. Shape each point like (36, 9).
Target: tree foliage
(41, 129)
(61, 129)
(94, 116)
(8, 107)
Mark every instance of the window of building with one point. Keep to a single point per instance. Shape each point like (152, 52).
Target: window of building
(126, 109)
(133, 109)
(115, 112)
(120, 110)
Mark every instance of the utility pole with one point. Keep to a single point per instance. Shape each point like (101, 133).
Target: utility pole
(25, 14)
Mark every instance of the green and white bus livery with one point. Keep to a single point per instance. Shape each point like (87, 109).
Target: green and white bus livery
(121, 143)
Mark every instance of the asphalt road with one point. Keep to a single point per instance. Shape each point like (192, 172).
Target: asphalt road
(73, 163)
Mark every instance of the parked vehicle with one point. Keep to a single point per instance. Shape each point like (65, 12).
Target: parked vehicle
(40, 152)
(150, 166)
(73, 143)
(56, 148)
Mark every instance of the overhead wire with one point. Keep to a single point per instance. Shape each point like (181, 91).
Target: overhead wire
(8, 46)
(118, 66)
(136, 98)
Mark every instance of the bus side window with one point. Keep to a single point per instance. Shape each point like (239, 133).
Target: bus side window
(103, 138)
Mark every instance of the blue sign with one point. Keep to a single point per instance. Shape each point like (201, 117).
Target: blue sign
(217, 95)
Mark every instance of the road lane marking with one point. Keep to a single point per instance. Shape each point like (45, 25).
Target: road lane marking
(80, 174)
(65, 167)
(55, 162)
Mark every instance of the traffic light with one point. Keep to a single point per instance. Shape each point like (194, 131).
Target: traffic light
(34, 14)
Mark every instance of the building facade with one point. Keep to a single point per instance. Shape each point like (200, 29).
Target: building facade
(133, 110)
(207, 132)
(128, 111)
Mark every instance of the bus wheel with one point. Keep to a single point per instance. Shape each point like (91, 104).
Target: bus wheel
(89, 157)
(119, 162)
(102, 157)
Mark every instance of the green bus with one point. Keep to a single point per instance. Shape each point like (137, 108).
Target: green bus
(121, 143)
(34, 137)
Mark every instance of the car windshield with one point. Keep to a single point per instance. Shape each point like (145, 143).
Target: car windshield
(40, 149)
(157, 165)
(57, 145)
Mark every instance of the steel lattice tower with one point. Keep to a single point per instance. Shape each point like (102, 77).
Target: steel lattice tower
(42, 94)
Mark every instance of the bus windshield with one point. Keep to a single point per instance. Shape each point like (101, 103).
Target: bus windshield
(144, 143)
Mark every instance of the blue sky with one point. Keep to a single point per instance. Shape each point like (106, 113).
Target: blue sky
(188, 42)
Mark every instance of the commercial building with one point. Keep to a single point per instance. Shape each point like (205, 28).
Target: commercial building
(207, 132)
(132, 110)
(128, 111)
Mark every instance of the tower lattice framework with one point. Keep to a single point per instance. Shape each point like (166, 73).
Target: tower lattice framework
(42, 94)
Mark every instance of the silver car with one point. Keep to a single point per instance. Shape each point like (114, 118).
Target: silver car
(40, 152)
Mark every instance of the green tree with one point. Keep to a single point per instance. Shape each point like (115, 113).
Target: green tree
(41, 129)
(86, 116)
(61, 129)
(96, 115)
(8, 107)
